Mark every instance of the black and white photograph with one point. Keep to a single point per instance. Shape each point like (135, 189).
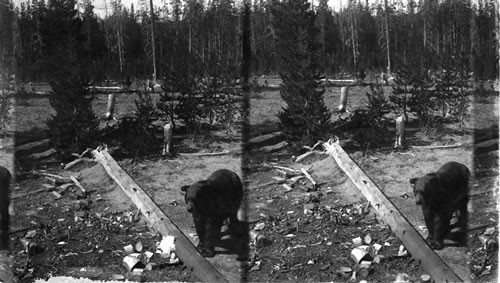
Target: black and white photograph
(249, 141)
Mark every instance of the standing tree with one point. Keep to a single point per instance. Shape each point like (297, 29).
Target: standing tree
(305, 117)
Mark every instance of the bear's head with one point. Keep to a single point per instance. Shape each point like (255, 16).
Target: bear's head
(195, 196)
(424, 187)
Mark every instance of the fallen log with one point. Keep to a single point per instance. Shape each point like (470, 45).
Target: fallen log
(73, 178)
(291, 170)
(304, 156)
(486, 146)
(64, 179)
(273, 148)
(205, 154)
(479, 226)
(436, 146)
(267, 139)
(412, 240)
(309, 177)
(76, 161)
(264, 185)
(185, 250)
(32, 146)
(42, 155)
(22, 195)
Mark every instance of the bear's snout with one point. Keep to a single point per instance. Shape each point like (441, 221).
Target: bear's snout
(190, 206)
(418, 199)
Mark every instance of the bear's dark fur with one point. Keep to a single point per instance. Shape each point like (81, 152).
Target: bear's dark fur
(441, 194)
(211, 201)
(4, 208)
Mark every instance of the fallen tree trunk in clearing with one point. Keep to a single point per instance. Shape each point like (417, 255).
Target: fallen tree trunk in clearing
(486, 146)
(42, 155)
(412, 240)
(32, 146)
(273, 148)
(266, 139)
(436, 146)
(185, 250)
(204, 154)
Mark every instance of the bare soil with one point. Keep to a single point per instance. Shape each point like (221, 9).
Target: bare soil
(314, 247)
(84, 235)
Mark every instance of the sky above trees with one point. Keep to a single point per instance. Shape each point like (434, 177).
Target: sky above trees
(100, 7)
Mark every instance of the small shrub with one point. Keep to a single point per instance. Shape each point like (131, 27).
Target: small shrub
(377, 105)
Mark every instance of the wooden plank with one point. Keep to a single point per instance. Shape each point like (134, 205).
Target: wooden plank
(412, 240)
(185, 250)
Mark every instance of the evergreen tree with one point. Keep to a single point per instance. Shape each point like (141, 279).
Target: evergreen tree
(305, 118)
(74, 127)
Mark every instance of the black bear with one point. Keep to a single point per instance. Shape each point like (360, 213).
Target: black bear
(441, 194)
(212, 201)
(4, 208)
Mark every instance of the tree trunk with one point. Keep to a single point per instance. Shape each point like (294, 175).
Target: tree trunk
(153, 39)
(387, 37)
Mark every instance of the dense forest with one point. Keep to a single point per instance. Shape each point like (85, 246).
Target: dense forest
(44, 38)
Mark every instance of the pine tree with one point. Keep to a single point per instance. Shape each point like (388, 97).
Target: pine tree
(74, 127)
(305, 118)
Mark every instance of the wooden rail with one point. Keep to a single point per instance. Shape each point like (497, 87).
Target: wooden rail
(185, 250)
(412, 240)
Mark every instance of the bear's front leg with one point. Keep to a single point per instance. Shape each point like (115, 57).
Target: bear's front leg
(212, 236)
(200, 223)
(429, 221)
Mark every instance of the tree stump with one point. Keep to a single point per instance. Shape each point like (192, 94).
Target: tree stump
(167, 141)
(344, 93)
(400, 132)
(111, 106)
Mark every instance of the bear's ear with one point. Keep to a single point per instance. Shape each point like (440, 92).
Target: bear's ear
(184, 188)
(413, 181)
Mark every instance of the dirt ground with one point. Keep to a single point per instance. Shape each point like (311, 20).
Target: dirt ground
(84, 235)
(308, 233)
(313, 247)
